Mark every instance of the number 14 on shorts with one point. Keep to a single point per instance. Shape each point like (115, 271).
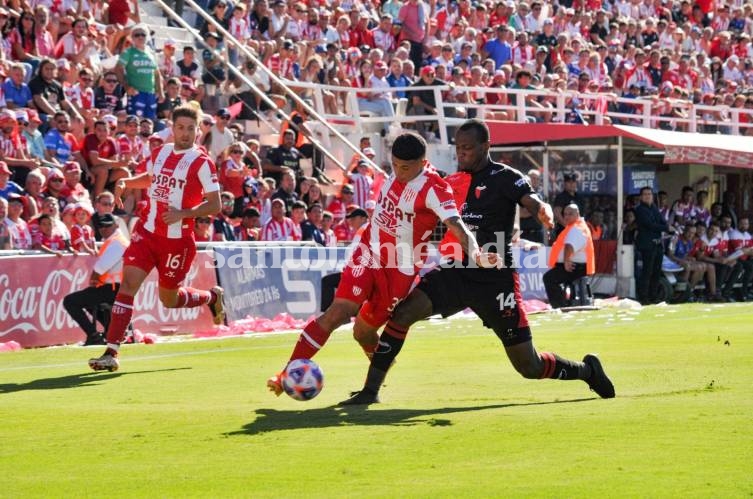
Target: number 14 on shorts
(506, 301)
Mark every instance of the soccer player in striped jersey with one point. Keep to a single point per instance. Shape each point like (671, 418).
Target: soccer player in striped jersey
(182, 185)
(386, 259)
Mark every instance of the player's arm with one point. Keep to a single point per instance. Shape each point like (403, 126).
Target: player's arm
(543, 210)
(469, 244)
(140, 181)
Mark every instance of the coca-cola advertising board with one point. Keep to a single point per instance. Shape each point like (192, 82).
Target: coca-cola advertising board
(32, 289)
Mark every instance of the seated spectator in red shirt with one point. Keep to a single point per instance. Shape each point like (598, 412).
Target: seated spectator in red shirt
(233, 171)
(250, 227)
(100, 151)
(82, 233)
(280, 227)
(202, 229)
(49, 240)
(73, 191)
(338, 205)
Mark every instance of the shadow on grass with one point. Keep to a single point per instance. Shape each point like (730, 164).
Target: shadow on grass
(74, 380)
(273, 420)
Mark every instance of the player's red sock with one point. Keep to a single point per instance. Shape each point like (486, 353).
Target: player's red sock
(191, 297)
(558, 368)
(122, 310)
(311, 340)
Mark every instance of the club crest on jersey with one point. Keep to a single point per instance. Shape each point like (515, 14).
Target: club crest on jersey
(479, 189)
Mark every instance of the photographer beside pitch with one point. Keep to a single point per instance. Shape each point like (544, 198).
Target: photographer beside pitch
(493, 294)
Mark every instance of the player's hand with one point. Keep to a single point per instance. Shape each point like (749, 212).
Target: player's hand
(546, 216)
(172, 216)
(488, 260)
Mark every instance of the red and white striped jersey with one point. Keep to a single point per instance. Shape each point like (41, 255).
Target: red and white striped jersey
(282, 230)
(405, 216)
(82, 237)
(362, 187)
(180, 179)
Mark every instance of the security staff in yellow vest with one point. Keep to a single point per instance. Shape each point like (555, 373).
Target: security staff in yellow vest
(571, 257)
(86, 306)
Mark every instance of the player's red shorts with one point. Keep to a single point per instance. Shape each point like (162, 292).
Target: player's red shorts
(171, 257)
(379, 290)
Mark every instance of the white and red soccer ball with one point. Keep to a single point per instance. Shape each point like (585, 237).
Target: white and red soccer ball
(302, 379)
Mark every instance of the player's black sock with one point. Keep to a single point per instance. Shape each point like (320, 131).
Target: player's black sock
(390, 343)
(558, 368)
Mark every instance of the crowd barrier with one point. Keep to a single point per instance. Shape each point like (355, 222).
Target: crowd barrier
(259, 281)
(32, 288)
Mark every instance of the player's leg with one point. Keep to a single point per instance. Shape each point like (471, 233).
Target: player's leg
(316, 333)
(174, 262)
(438, 292)
(122, 311)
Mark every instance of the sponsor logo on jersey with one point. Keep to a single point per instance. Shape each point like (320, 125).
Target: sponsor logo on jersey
(479, 190)
(520, 182)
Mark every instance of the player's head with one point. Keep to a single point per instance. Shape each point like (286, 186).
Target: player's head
(408, 156)
(185, 122)
(472, 146)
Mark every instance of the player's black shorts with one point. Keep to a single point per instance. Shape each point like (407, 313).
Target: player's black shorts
(494, 295)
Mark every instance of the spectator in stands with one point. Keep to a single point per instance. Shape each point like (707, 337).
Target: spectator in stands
(250, 227)
(378, 103)
(330, 239)
(280, 227)
(249, 198)
(139, 74)
(61, 146)
(109, 96)
(101, 155)
(82, 234)
(14, 150)
(362, 182)
(232, 171)
(397, 79)
(29, 122)
(202, 229)
(338, 206)
(683, 208)
(499, 49)
(7, 186)
(170, 100)
(222, 224)
(18, 230)
(423, 102)
(213, 58)
(311, 227)
(314, 194)
(104, 204)
(728, 207)
(298, 216)
(351, 227)
(220, 136)
(16, 91)
(73, 191)
(286, 190)
(49, 240)
(5, 238)
(284, 156)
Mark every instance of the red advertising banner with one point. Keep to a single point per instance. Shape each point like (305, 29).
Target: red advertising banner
(32, 289)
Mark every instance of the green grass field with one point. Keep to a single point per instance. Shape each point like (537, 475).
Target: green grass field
(194, 418)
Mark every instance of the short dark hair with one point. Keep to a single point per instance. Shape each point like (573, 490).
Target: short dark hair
(251, 212)
(298, 205)
(185, 112)
(313, 206)
(646, 188)
(409, 146)
(478, 127)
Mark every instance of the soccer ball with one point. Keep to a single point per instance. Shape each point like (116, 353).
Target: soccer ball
(302, 379)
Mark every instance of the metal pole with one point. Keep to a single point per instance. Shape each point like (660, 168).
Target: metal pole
(273, 77)
(251, 84)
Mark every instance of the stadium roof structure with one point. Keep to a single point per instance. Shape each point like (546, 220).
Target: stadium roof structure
(679, 147)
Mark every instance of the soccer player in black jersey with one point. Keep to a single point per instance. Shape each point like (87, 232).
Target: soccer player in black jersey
(493, 294)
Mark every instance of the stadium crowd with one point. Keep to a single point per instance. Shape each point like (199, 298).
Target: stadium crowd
(86, 95)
